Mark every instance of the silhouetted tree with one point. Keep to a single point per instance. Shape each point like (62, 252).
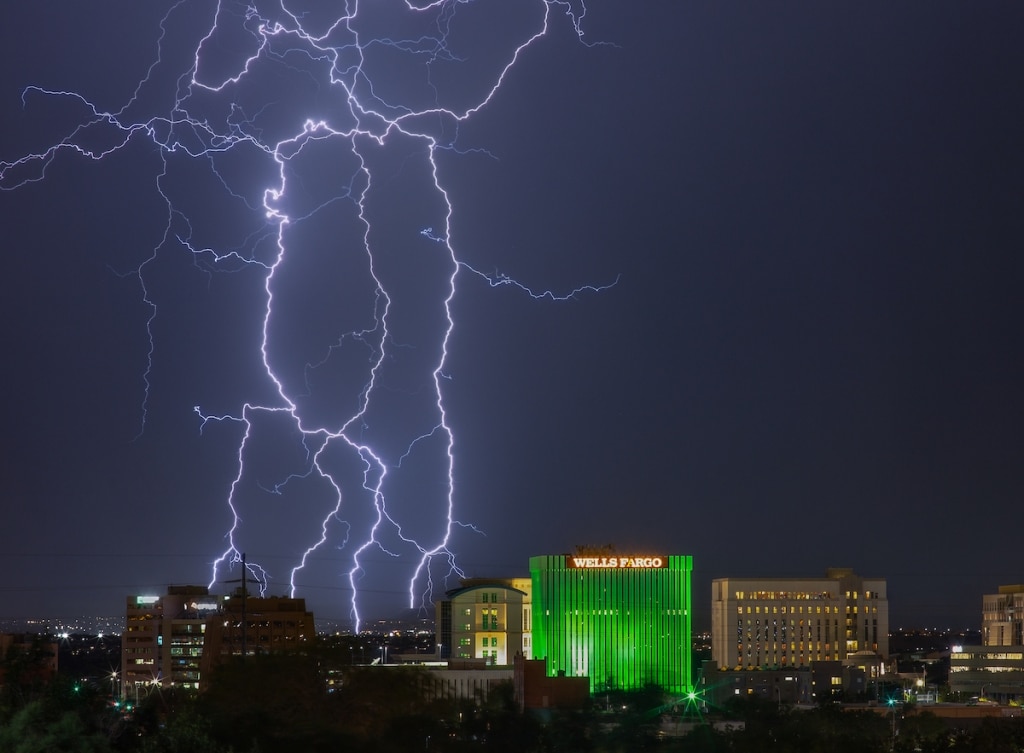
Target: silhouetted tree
(24, 674)
(273, 702)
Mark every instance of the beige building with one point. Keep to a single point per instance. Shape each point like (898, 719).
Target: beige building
(1002, 617)
(791, 622)
(485, 619)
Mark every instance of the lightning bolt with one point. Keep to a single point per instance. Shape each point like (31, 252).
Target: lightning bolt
(312, 130)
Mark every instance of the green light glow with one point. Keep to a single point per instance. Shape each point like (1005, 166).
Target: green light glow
(624, 628)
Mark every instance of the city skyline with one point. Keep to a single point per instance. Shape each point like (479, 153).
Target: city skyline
(807, 355)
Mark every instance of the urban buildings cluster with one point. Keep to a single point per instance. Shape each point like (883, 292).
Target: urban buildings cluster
(596, 621)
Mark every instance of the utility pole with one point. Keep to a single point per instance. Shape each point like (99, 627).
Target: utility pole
(244, 580)
(245, 622)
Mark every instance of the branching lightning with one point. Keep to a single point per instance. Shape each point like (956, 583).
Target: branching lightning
(233, 105)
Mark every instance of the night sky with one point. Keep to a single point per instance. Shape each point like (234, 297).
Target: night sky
(811, 356)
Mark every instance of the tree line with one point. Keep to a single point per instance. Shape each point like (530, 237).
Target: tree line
(307, 702)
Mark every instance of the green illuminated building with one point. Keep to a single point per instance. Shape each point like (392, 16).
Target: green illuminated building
(622, 621)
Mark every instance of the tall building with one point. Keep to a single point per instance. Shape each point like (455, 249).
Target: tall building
(485, 619)
(791, 622)
(174, 639)
(1002, 617)
(622, 621)
(163, 639)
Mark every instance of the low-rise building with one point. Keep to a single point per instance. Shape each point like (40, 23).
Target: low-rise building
(535, 690)
(994, 670)
(990, 672)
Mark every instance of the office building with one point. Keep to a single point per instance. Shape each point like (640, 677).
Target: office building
(163, 639)
(174, 639)
(248, 626)
(621, 621)
(994, 670)
(485, 619)
(792, 622)
(1002, 617)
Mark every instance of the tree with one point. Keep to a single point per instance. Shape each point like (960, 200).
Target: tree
(24, 674)
(273, 702)
(39, 727)
(923, 731)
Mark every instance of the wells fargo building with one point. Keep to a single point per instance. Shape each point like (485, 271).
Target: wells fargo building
(622, 621)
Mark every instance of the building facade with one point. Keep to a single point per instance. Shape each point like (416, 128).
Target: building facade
(173, 640)
(792, 622)
(1002, 617)
(485, 619)
(533, 689)
(163, 639)
(622, 621)
(994, 670)
(246, 626)
(991, 672)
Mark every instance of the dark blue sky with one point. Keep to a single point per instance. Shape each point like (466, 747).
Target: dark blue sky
(812, 356)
